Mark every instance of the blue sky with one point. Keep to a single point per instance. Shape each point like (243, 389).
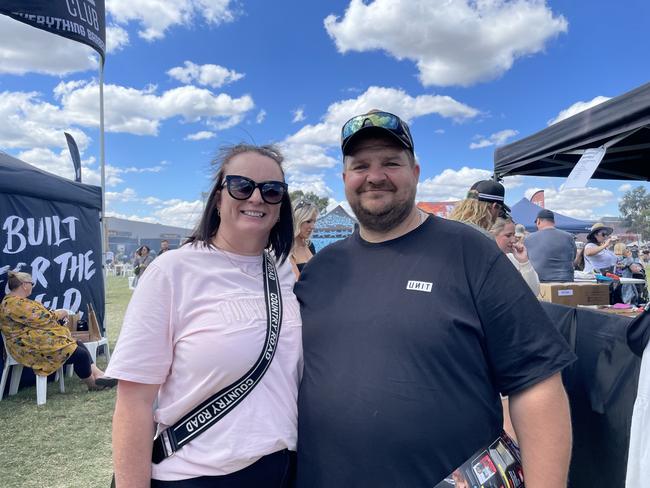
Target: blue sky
(184, 77)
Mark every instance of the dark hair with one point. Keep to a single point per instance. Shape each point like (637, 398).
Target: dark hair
(139, 251)
(281, 236)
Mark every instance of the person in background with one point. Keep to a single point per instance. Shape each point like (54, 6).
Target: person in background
(142, 259)
(520, 232)
(579, 261)
(483, 204)
(198, 324)
(551, 251)
(627, 266)
(35, 337)
(503, 231)
(164, 247)
(305, 214)
(598, 256)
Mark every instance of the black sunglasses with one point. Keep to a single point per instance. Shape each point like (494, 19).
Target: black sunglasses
(241, 188)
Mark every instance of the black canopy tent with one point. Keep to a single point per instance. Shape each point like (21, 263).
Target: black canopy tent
(50, 227)
(621, 124)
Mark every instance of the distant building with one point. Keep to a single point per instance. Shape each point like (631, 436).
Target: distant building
(125, 236)
(439, 209)
(336, 224)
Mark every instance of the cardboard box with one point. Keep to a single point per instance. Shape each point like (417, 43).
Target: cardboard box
(574, 294)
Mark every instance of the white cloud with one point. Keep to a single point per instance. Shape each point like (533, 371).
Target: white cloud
(117, 38)
(298, 115)
(141, 111)
(580, 203)
(157, 16)
(451, 185)
(577, 108)
(439, 131)
(211, 75)
(261, 115)
(496, 139)
(315, 147)
(200, 136)
(26, 49)
(179, 213)
(310, 183)
(453, 42)
(625, 187)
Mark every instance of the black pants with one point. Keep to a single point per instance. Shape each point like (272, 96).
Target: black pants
(81, 360)
(277, 470)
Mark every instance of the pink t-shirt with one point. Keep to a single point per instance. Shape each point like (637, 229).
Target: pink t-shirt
(195, 324)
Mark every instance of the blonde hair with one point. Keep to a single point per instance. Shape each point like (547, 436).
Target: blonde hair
(303, 210)
(473, 211)
(619, 248)
(17, 278)
(499, 225)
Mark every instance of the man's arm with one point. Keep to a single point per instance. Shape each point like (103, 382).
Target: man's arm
(541, 419)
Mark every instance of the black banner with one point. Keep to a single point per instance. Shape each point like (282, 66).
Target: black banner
(80, 20)
(59, 244)
(74, 154)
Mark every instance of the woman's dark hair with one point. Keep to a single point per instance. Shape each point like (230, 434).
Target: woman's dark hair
(141, 248)
(281, 236)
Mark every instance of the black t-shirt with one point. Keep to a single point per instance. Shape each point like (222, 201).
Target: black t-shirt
(407, 344)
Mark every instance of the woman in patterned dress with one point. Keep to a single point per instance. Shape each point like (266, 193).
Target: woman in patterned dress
(36, 339)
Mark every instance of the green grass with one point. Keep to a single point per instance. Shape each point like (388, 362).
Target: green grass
(65, 443)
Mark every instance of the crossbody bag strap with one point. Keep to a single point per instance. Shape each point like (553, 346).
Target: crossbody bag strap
(220, 404)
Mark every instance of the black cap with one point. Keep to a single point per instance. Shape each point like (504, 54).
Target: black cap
(490, 191)
(546, 214)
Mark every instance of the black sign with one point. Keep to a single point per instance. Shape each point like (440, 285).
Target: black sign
(59, 244)
(80, 20)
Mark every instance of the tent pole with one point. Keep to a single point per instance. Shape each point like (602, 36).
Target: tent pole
(102, 161)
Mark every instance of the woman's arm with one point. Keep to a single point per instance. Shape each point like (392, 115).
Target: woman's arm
(596, 248)
(133, 431)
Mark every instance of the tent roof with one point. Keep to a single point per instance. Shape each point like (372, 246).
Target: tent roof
(525, 212)
(20, 178)
(555, 150)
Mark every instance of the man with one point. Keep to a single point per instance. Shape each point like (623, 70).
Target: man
(551, 251)
(411, 328)
(164, 246)
(483, 204)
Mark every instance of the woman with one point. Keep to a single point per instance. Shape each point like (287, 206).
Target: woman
(36, 339)
(196, 327)
(598, 258)
(305, 214)
(503, 231)
(142, 259)
(627, 266)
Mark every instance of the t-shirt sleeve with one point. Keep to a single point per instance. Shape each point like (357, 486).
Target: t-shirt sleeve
(145, 346)
(522, 344)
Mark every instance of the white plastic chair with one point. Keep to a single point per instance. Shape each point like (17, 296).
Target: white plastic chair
(41, 381)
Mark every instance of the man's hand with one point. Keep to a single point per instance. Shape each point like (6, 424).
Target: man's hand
(519, 252)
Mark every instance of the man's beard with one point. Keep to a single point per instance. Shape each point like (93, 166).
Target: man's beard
(386, 219)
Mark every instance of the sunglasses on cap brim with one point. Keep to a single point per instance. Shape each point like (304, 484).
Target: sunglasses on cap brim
(383, 120)
(241, 188)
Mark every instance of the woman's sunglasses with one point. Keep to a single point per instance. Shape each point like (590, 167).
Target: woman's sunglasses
(241, 188)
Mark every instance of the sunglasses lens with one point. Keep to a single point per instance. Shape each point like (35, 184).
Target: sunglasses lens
(378, 119)
(239, 187)
(272, 192)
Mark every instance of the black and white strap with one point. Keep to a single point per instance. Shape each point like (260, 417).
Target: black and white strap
(218, 405)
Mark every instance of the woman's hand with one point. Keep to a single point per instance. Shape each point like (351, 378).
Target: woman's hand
(61, 314)
(519, 252)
